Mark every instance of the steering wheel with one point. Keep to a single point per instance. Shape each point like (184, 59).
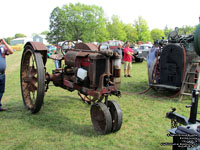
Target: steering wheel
(103, 46)
(67, 45)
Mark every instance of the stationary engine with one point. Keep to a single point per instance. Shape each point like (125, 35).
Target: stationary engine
(171, 63)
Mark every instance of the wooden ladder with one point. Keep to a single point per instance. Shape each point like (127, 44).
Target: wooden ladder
(191, 79)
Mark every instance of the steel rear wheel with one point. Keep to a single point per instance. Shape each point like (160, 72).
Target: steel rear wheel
(32, 78)
(101, 118)
(116, 114)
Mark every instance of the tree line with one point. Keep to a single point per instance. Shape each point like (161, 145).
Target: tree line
(89, 24)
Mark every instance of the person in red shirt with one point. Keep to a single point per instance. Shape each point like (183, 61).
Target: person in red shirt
(128, 54)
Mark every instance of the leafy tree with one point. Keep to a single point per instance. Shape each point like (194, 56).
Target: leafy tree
(57, 26)
(116, 29)
(157, 34)
(102, 34)
(182, 30)
(142, 30)
(186, 30)
(19, 35)
(34, 34)
(77, 22)
(8, 39)
(131, 33)
(44, 32)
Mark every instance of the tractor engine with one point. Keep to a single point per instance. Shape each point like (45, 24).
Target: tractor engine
(87, 69)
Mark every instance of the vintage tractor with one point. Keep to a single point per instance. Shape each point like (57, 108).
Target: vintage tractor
(93, 73)
(174, 67)
(186, 131)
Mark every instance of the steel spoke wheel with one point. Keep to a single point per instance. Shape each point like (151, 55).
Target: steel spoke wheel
(101, 118)
(116, 114)
(32, 78)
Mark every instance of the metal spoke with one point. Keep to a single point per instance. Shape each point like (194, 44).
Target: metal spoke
(34, 80)
(33, 61)
(33, 97)
(33, 71)
(32, 87)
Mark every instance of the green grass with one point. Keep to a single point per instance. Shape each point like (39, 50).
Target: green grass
(64, 121)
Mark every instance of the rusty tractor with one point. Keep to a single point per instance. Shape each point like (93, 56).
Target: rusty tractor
(93, 73)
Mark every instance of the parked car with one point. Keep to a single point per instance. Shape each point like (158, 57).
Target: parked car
(143, 50)
(136, 57)
(114, 43)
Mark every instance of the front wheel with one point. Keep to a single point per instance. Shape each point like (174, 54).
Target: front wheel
(32, 78)
(101, 118)
(116, 114)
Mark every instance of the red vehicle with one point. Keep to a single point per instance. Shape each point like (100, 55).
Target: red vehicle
(113, 43)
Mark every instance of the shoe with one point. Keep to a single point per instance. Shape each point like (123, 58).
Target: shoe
(129, 76)
(3, 109)
(125, 76)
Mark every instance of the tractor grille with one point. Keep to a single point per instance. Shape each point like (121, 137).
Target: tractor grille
(100, 69)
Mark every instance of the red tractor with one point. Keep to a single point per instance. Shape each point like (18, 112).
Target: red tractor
(94, 74)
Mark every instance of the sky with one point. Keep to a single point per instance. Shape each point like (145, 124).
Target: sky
(32, 16)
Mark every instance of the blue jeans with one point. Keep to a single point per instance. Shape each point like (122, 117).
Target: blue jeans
(2, 86)
(57, 64)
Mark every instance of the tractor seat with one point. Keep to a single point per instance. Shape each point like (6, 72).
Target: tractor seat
(56, 56)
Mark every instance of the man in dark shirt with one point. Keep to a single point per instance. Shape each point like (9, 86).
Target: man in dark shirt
(5, 49)
(118, 50)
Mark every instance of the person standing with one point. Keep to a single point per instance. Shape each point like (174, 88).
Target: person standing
(5, 49)
(118, 60)
(152, 54)
(128, 54)
(118, 50)
(57, 51)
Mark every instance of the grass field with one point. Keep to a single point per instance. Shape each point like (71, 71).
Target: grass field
(64, 121)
